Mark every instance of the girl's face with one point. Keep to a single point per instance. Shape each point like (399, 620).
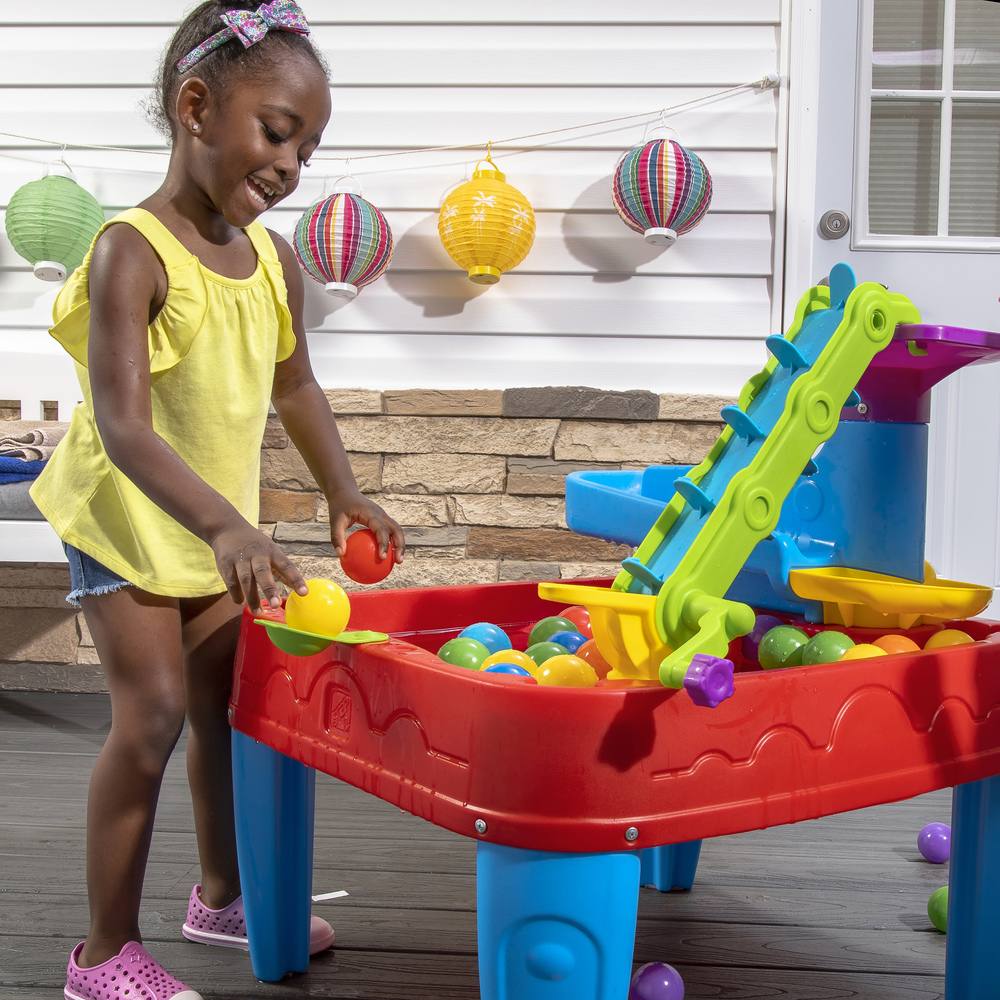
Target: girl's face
(253, 144)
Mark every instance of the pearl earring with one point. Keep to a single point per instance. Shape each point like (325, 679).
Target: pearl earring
(195, 127)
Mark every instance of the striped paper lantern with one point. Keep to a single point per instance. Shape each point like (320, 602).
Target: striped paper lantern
(343, 242)
(661, 190)
(486, 225)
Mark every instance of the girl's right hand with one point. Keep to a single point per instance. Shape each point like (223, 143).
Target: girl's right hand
(249, 561)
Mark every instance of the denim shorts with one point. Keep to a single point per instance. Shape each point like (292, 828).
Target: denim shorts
(88, 576)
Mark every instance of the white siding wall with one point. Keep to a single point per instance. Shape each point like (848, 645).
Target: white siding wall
(591, 305)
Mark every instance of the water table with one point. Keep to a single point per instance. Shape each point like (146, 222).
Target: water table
(575, 797)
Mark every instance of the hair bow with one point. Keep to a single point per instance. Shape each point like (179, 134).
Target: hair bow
(250, 26)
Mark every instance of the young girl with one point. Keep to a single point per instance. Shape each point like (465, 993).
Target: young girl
(185, 322)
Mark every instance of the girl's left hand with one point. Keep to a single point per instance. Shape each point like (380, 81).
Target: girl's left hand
(353, 507)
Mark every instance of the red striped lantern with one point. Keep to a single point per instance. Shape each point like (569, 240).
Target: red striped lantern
(661, 190)
(343, 241)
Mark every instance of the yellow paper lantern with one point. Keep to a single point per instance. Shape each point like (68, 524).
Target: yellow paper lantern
(486, 225)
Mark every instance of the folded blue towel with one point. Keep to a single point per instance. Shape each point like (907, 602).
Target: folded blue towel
(16, 470)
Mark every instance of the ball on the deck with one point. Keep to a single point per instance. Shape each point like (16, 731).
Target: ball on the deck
(323, 611)
(491, 636)
(937, 909)
(782, 646)
(461, 652)
(934, 842)
(656, 981)
(751, 641)
(361, 561)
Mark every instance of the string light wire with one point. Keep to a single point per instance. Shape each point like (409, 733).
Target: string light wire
(767, 82)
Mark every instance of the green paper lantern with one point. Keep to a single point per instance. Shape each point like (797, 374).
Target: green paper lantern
(51, 224)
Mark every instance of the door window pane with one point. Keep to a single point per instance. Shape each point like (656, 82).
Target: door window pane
(903, 167)
(975, 181)
(907, 44)
(977, 45)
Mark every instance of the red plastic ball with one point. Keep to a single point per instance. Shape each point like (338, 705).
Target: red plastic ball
(580, 617)
(361, 561)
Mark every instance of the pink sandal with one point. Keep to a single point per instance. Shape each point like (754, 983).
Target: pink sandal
(133, 974)
(227, 927)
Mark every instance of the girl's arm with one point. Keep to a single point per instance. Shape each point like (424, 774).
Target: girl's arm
(127, 288)
(306, 415)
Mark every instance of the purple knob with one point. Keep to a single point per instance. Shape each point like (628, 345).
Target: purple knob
(709, 680)
(656, 981)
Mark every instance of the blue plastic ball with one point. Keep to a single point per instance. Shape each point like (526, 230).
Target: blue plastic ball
(656, 981)
(571, 640)
(491, 636)
(507, 668)
(934, 842)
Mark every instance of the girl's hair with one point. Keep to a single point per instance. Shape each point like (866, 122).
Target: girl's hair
(223, 67)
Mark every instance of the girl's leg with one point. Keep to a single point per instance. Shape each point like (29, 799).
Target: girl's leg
(211, 628)
(138, 639)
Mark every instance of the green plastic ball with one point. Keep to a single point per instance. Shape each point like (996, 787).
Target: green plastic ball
(542, 651)
(826, 647)
(549, 626)
(463, 652)
(782, 646)
(937, 909)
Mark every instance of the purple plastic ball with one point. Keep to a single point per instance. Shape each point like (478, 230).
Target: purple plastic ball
(761, 626)
(656, 981)
(934, 842)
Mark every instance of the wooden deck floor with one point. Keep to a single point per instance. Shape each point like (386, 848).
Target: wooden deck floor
(834, 908)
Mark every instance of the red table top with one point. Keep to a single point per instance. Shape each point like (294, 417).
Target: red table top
(570, 769)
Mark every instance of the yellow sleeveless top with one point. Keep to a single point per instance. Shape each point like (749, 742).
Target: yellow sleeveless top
(212, 351)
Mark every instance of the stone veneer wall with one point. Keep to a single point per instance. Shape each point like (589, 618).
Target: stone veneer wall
(475, 477)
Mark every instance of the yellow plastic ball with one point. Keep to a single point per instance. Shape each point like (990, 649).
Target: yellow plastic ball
(324, 611)
(566, 670)
(514, 656)
(862, 651)
(948, 637)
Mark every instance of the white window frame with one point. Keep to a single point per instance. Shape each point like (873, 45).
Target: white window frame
(946, 96)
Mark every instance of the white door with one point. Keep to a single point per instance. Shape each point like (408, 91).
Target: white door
(895, 123)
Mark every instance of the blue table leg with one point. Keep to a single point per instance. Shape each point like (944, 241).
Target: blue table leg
(670, 867)
(974, 893)
(275, 800)
(555, 926)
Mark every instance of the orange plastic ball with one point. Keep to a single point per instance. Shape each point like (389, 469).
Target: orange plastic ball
(566, 671)
(589, 652)
(324, 611)
(948, 637)
(514, 656)
(862, 651)
(893, 643)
